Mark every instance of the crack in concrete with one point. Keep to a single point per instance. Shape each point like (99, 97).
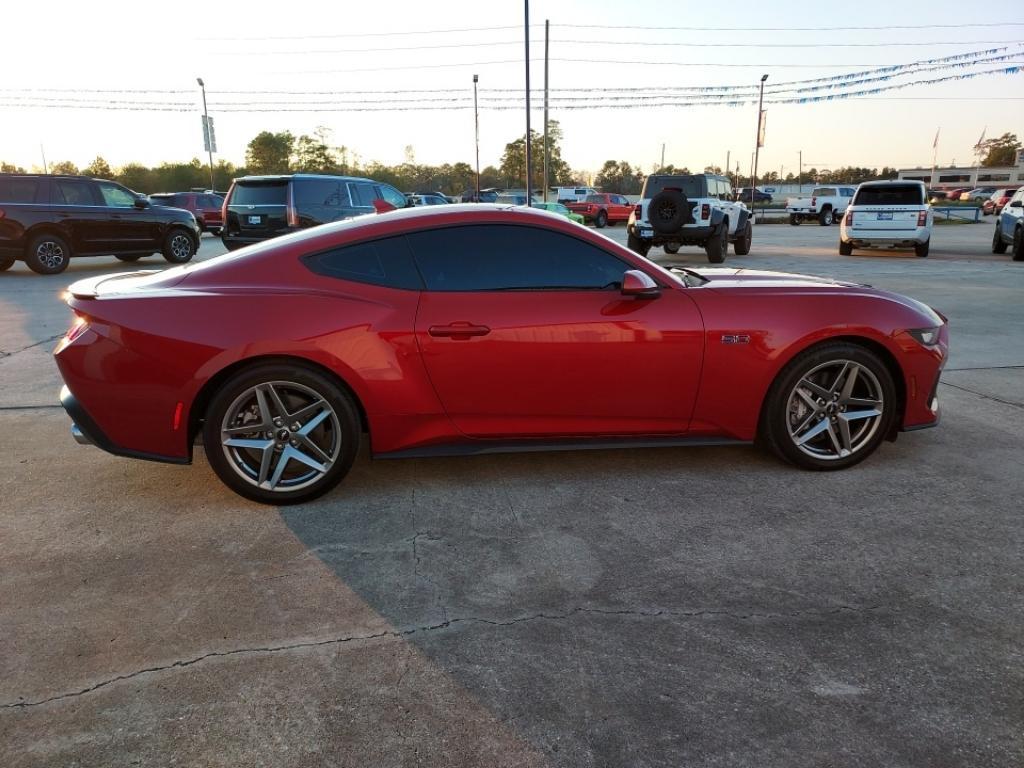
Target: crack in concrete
(4, 355)
(446, 624)
(1011, 403)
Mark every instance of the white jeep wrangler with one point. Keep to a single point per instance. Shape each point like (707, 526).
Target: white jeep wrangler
(695, 209)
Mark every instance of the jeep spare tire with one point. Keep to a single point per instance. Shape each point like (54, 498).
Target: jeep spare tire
(668, 211)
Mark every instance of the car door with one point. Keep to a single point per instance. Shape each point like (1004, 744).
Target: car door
(619, 208)
(126, 227)
(79, 209)
(524, 332)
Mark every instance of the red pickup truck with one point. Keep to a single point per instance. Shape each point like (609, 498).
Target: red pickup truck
(603, 208)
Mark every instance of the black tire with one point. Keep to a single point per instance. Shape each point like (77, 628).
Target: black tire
(845, 248)
(787, 416)
(601, 220)
(672, 248)
(48, 254)
(127, 256)
(1018, 244)
(998, 244)
(921, 249)
(741, 246)
(6, 262)
(179, 246)
(716, 246)
(794, 220)
(637, 245)
(825, 218)
(297, 388)
(668, 211)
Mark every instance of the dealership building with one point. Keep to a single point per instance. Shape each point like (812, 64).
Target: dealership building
(969, 176)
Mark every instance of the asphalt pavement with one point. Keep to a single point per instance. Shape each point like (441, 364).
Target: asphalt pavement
(670, 607)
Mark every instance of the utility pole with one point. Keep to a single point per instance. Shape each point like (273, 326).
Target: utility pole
(800, 178)
(728, 152)
(476, 126)
(662, 156)
(42, 151)
(529, 154)
(547, 24)
(209, 133)
(757, 141)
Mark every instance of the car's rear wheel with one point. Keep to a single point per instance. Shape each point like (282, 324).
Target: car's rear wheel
(921, 249)
(741, 247)
(48, 254)
(179, 246)
(127, 256)
(1018, 244)
(830, 407)
(716, 245)
(671, 247)
(637, 245)
(825, 218)
(601, 220)
(6, 262)
(845, 248)
(794, 220)
(998, 246)
(281, 434)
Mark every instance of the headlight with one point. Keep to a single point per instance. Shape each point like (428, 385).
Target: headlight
(927, 337)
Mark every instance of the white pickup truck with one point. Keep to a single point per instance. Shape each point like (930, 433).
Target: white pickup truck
(826, 204)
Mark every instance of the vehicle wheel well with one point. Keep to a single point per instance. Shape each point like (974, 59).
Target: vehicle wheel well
(883, 354)
(209, 389)
(43, 229)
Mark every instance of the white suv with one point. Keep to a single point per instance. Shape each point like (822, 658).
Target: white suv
(888, 214)
(695, 209)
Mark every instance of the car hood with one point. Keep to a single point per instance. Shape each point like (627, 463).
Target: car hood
(759, 278)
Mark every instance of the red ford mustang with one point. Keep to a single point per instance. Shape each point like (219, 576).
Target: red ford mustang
(480, 329)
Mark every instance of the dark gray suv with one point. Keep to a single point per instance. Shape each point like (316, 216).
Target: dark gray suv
(258, 208)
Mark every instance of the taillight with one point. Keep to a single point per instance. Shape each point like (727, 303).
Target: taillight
(922, 218)
(292, 216)
(705, 211)
(849, 218)
(637, 212)
(77, 328)
(2, 214)
(814, 202)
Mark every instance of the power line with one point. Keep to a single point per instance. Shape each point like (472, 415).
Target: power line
(365, 34)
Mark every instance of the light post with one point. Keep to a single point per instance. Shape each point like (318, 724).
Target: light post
(757, 141)
(476, 123)
(209, 133)
(800, 178)
(529, 154)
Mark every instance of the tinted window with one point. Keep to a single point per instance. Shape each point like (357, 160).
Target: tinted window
(16, 190)
(211, 201)
(115, 196)
(397, 199)
(325, 193)
(363, 194)
(846, 192)
(594, 199)
(825, 192)
(260, 194)
(168, 200)
(496, 257)
(385, 262)
(893, 194)
(73, 192)
(691, 186)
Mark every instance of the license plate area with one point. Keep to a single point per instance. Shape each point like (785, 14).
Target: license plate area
(259, 219)
(884, 216)
(646, 232)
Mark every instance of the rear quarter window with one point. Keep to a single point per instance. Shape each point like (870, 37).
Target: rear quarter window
(387, 262)
(895, 194)
(18, 190)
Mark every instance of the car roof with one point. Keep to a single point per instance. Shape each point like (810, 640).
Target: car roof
(888, 183)
(290, 176)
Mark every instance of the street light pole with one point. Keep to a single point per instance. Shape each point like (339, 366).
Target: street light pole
(476, 124)
(800, 178)
(209, 142)
(529, 154)
(547, 152)
(757, 142)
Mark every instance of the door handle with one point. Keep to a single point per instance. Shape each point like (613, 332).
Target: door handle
(459, 330)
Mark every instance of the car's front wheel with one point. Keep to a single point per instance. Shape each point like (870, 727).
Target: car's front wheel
(48, 254)
(6, 262)
(671, 247)
(281, 434)
(179, 246)
(1018, 244)
(998, 246)
(830, 407)
(601, 221)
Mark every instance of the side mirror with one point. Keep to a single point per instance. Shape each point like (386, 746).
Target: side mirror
(1017, 204)
(383, 206)
(639, 284)
(141, 203)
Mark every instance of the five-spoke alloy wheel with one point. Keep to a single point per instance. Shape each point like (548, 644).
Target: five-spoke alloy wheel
(281, 434)
(830, 407)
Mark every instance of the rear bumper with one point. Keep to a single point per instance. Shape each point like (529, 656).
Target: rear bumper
(898, 238)
(688, 234)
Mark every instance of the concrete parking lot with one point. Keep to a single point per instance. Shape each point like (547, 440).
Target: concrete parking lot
(672, 607)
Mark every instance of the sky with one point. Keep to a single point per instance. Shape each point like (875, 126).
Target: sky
(406, 69)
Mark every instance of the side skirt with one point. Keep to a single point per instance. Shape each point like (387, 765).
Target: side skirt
(479, 447)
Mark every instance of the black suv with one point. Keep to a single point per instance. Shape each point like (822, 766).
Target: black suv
(261, 207)
(45, 220)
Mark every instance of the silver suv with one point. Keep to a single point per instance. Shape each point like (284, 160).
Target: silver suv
(695, 209)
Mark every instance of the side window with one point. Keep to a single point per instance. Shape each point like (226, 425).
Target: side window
(386, 262)
(396, 198)
(72, 192)
(362, 193)
(18, 190)
(321, 193)
(845, 192)
(115, 196)
(511, 258)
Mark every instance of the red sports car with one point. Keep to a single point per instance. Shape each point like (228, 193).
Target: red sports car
(482, 328)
